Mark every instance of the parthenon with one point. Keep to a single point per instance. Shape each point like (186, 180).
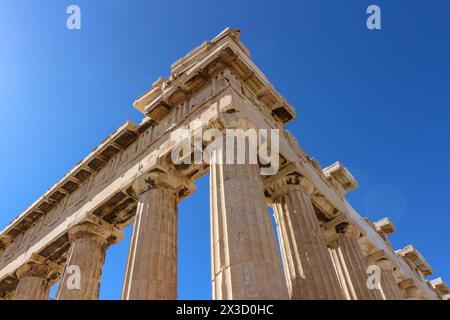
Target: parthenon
(326, 251)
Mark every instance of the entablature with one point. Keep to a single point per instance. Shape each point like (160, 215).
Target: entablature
(340, 178)
(410, 254)
(196, 69)
(440, 286)
(385, 226)
(97, 159)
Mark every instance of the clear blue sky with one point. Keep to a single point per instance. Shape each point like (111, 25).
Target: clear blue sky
(376, 100)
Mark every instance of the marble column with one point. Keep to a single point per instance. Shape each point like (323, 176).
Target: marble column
(245, 261)
(82, 275)
(309, 270)
(33, 282)
(389, 285)
(351, 264)
(152, 261)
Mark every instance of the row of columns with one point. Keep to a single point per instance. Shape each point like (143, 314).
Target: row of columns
(245, 259)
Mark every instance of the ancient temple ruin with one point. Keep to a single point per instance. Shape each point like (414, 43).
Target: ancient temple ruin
(328, 251)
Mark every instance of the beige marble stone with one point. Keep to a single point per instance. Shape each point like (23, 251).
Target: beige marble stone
(308, 266)
(341, 179)
(410, 291)
(216, 78)
(384, 227)
(351, 264)
(7, 296)
(389, 285)
(89, 242)
(153, 256)
(415, 259)
(33, 283)
(440, 287)
(245, 260)
(152, 265)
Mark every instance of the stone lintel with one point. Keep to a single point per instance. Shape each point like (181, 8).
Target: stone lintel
(340, 178)
(412, 255)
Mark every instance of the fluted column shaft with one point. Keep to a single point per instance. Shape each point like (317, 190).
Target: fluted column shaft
(89, 256)
(245, 259)
(309, 270)
(33, 284)
(32, 288)
(352, 266)
(152, 262)
(83, 272)
(389, 286)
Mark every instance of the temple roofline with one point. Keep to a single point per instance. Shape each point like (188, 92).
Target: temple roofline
(191, 72)
(412, 255)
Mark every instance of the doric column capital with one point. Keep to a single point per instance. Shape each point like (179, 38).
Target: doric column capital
(380, 259)
(39, 267)
(349, 230)
(290, 177)
(96, 229)
(386, 264)
(32, 270)
(167, 178)
(287, 179)
(340, 226)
